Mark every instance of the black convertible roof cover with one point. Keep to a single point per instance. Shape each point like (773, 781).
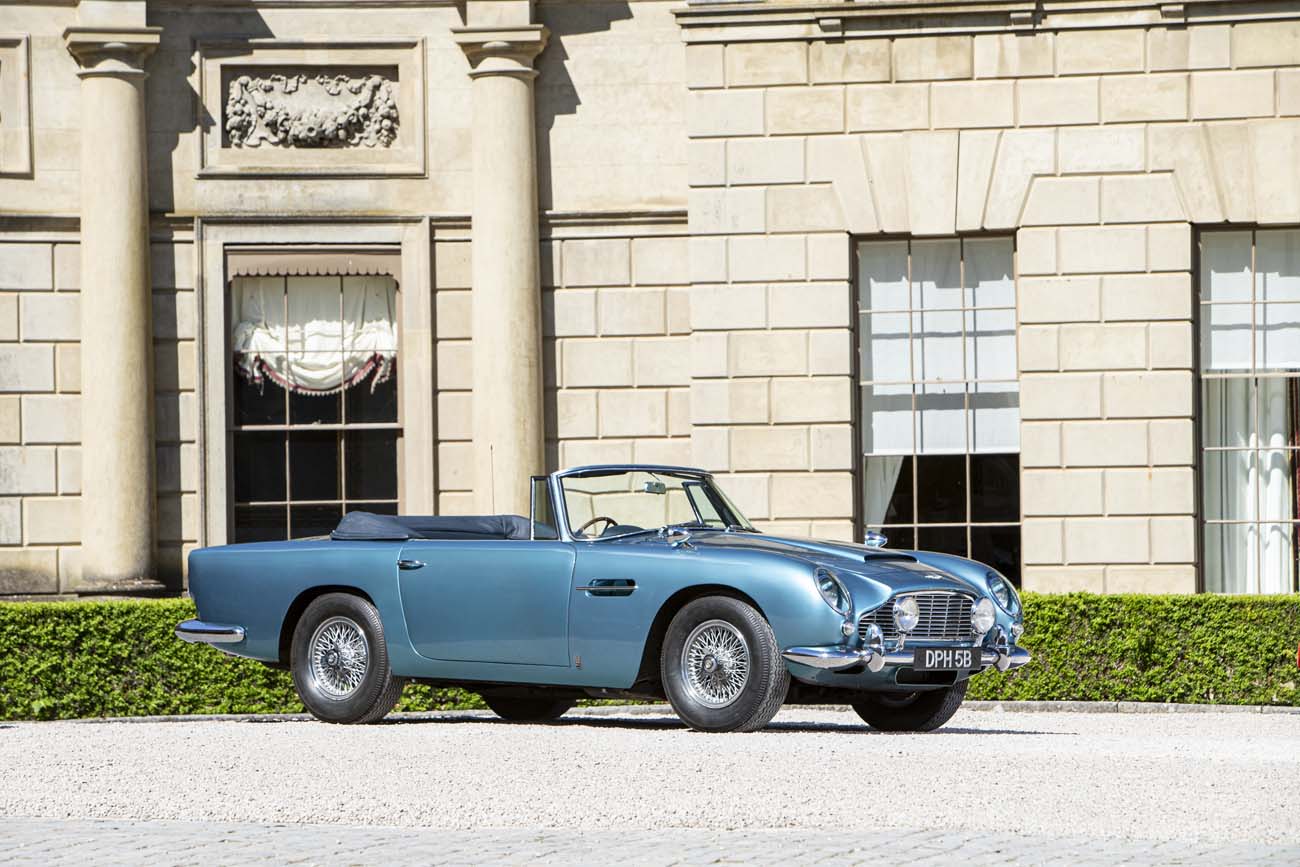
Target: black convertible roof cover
(367, 526)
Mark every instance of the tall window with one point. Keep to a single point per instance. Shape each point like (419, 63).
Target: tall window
(1250, 409)
(315, 423)
(940, 402)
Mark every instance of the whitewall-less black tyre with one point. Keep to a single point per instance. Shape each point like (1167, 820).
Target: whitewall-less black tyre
(918, 712)
(721, 667)
(340, 661)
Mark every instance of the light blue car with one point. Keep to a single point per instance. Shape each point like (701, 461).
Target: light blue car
(626, 581)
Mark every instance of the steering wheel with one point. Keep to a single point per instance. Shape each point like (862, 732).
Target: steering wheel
(610, 522)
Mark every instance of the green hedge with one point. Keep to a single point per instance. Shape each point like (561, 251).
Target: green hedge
(65, 660)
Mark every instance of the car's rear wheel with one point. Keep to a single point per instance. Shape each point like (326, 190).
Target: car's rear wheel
(721, 667)
(530, 709)
(914, 712)
(340, 661)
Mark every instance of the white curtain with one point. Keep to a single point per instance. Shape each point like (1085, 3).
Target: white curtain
(316, 334)
(1252, 417)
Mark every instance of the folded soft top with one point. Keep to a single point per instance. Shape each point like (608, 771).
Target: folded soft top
(367, 526)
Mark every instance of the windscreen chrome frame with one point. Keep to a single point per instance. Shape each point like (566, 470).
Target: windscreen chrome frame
(557, 489)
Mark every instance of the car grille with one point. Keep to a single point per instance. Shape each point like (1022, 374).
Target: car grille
(944, 617)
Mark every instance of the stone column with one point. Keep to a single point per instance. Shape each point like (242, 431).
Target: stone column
(117, 487)
(507, 333)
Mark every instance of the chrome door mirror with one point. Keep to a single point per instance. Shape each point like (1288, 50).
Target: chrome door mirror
(677, 537)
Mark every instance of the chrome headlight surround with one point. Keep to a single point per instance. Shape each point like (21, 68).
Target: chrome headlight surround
(1002, 592)
(833, 591)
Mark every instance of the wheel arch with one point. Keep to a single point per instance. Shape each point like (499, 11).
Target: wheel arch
(647, 676)
(299, 605)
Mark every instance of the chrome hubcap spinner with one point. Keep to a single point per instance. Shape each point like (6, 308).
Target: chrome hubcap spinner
(715, 663)
(339, 656)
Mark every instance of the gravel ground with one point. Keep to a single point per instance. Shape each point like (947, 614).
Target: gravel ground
(1186, 776)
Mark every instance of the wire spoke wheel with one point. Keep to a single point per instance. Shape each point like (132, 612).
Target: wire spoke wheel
(715, 663)
(339, 657)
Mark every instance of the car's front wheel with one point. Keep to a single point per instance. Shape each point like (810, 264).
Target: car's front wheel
(340, 662)
(721, 666)
(914, 712)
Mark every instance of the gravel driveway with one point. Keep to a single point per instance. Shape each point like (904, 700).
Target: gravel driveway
(1212, 778)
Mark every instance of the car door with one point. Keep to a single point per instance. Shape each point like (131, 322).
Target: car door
(488, 601)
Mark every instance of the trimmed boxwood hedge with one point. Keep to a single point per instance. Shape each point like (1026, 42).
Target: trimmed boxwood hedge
(63, 660)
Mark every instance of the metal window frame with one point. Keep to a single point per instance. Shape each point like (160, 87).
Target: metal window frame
(289, 427)
(858, 242)
(1252, 375)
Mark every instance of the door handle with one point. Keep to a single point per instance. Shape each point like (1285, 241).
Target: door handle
(609, 587)
(410, 564)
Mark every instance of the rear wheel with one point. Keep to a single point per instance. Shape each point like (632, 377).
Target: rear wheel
(533, 710)
(340, 661)
(914, 712)
(721, 667)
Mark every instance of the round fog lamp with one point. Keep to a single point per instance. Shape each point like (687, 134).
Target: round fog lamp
(981, 616)
(906, 614)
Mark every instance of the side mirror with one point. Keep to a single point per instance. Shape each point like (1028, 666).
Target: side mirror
(677, 537)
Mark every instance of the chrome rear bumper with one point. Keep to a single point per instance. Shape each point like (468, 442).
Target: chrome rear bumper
(837, 658)
(202, 632)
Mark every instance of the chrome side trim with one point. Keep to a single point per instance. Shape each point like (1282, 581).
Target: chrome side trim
(202, 632)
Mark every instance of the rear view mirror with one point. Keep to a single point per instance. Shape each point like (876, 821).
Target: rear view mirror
(655, 488)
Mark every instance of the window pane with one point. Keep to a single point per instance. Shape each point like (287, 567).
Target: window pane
(1279, 411)
(941, 420)
(1227, 412)
(375, 508)
(898, 537)
(999, 547)
(991, 344)
(994, 418)
(887, 489)
(315, 408)
(315, 314)
(371, 401)
(313, 465)
(371, 464)
(995, 488)
(261, 523)
(937, 346)
(1277, 337)
(989, 281)
(1225, 266)
(1277, 558)
(945, 540)
(883, 275)
(885, 342)
(887, 420)
(1277, 486)
(1229, 485)
(940, 488)
(936, 274)
(1230, 556)
(1277, 265)
(258, 404)
(1225, 337)
(259, 466)
(313, 520)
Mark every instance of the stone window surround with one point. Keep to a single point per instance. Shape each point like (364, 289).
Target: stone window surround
(408, 155)
(411, 239)
(15, 105)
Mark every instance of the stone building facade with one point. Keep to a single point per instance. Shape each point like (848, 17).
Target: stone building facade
(1018, 280)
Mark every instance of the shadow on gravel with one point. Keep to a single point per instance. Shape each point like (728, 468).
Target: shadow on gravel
(669, 723)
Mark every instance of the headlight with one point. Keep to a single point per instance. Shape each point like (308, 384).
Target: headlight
(834, 592)
(906, 614)
(1003, 593)
(982, 616)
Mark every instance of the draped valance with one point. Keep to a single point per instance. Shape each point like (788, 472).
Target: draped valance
(314, 334)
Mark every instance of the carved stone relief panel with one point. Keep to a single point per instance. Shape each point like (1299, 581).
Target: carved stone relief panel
(15, 106)
(277, 108)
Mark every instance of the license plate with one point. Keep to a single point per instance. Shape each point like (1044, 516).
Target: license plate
(946, 658)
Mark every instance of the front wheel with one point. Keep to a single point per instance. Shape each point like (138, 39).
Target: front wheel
(916, 712)
(340, 661)
(721, 666)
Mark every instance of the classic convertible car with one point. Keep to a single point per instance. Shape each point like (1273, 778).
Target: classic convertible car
(638, 581)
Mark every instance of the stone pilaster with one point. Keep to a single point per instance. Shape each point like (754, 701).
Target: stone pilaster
(508, 424)
(117, 495)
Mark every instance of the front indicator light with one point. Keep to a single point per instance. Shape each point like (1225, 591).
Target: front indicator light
(982, 616)
(907, 613)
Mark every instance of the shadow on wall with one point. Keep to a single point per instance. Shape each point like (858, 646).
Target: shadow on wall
(556, 92)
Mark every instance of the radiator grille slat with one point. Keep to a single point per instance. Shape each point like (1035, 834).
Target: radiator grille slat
(944, 617)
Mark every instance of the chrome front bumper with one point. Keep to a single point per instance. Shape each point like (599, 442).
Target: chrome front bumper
(202, 632)
(838, 657)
